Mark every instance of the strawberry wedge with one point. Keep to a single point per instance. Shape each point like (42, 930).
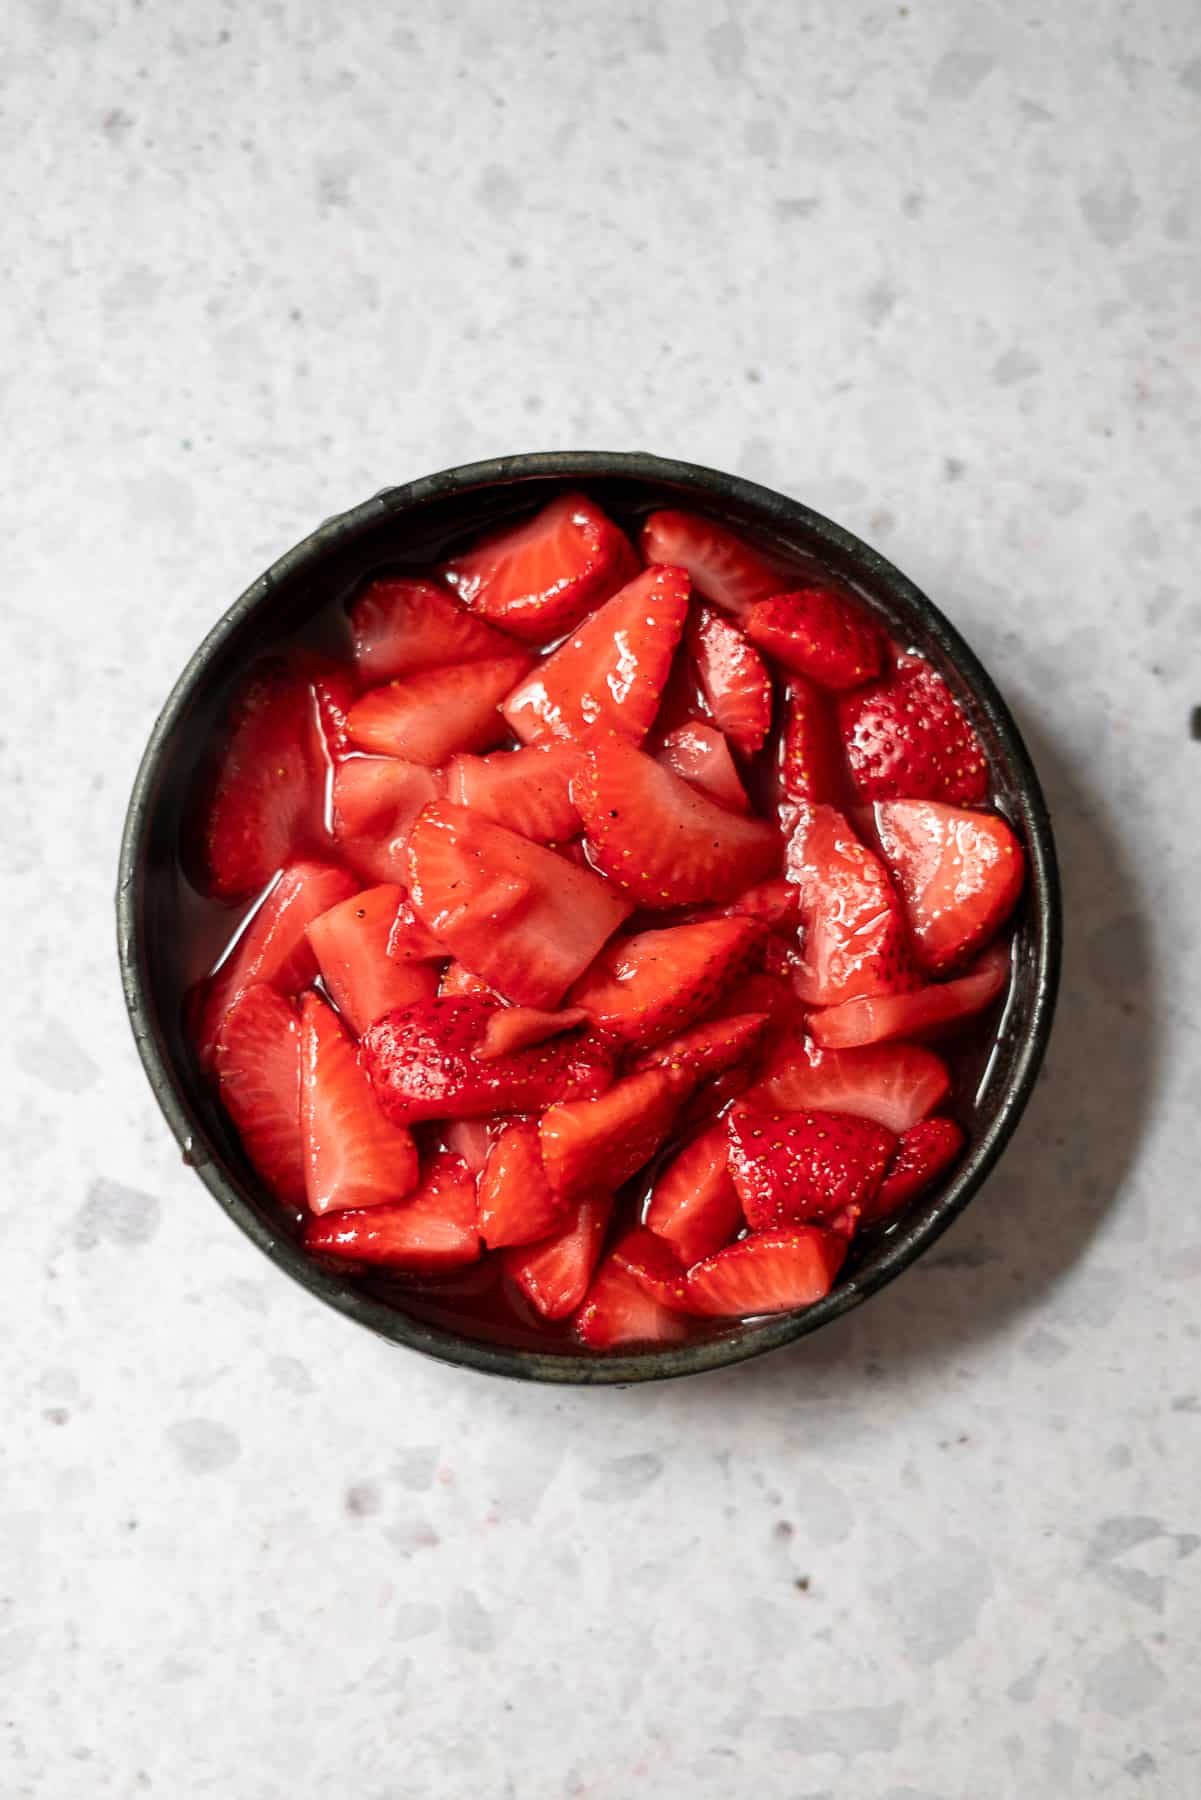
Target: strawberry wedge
(710, 1048)
(431, 1233)
(426, 717)
(619, 1312)
(734, 678)
(643, 988)
(769, 1272)
(610, 1138)
(915, 1015)
(257, 1063)
(854, 939)
(816, 633)
(907, 739)
(554, 1275)
(538, 579)
(401, 626)
(810, 755)
(528, 791)
(694, 1205)
(958, 873)
(894, 1084)
(354, 1156)
(374, 801)
(517, 1203)
(350, 942)
(723, 566)
(797, 1167)
(925, 1152)
(700, 754)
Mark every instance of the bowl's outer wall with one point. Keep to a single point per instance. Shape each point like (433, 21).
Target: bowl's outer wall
(409, 525)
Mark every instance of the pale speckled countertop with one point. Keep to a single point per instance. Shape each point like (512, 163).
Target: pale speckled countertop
(933, 268)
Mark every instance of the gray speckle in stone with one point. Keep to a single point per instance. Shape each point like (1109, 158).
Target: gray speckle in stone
(1114, 1536)
(959, 73)
(414, 1619)
(1110, 206)
(177, 1668)
(1023, 1690)
(802, 206)
(625, 1476)
(1190, 75)
(363, 1498)
(413, 1534)
(936, 1601)
(1063, 496)
(878, 302)
(115, 1214)
(1125, 1682)
(1141, 1765)
(1044, 1348)
(1015, 365)
(54, 1058)
(414, 1467)
(289, 1373)
(725, 47)
(469, 1626)
(847, 1732)
(203, 1445)
(497, 190)
(1062, 1745)
(761, 137)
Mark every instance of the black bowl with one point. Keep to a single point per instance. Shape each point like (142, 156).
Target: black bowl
(411, 523)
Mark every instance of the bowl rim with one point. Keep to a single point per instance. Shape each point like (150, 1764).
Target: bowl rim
(906, 1243)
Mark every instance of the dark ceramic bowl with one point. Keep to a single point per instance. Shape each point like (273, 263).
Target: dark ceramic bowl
(408, 524)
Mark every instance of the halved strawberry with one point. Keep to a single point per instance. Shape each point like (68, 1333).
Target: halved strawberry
(585, 1142)
(816, 632)
(708, 1049)
(958, 874)
(424, 1063)
(411, 941)
(925, 1151)
(257, 1061)
(734, 679)
(810, 755)
(517, 1203)
(854, 934)
(428, 716)
(644, 987)
(525, 790)
(430, 1233)
(401, 625)
(354, 1156)
(527, 920)
(608, 676)
(723, 566)
(796, 1166)
(936, 1008)
(540, 577)
(554, 1275)
(471, 1139)
(659, 839)
(457, 981)
(618, 1311)
(700, 754)
(350, 942)
(906, 739)
(374, 801)
(894, 1084)
(769, 1272)
(521, 1027)
(694, 1205)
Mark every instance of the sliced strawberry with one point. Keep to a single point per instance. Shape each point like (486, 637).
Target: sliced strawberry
(350, 942)
(734, 679)
(424, 1063)
(654, 1265)
(457, 981)
(682, 702)
(894, 1084)
(776, 902)
(428, 716)
(810, 755)
(854, 934)
(958, 874)
(700, 754)
(607, 1139)
(257, 1062)
(936, 1008)
(539, 578)
(525, 790)
(273, 945)
(527, 920)
(471, 1139)
(554, 1274)
(401, 625)
(763, 993)
(521, 1027)
(797, 1166)
(618, 1311)
(708, 1049)
(374, 801)
(411, 941)
(924, 1153)
(354, 1156)
(906, 739)
(694, 1205)
(517, 1203)
(722, 565)
(659, 839)
(609, 675)
(770, 1272)
(644, 987)
(430, 1233)
(817, 633)
(711, 1100)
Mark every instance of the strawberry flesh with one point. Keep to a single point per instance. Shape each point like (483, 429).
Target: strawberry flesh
(880, 1017)
(906, 739)
(426, 717)
(700, 754)
(517, 1203)
(374, 801)
(350, 942)
(433, 1232)
(794, 1167)
(722, 565)
(354, 1155)
(854, 939)
(708, 1049)
(401, 626)
(958, 873)
(817, 634)
(554, 1275)
(894, 1084)
(538, 579)
(733, 677)
(528, 790)
(694, 1206)
(257, 1064)
(926, 1151)
(585, 1142)
(768, 1272)
(619, 1311)
(810, 755)
(643, 988)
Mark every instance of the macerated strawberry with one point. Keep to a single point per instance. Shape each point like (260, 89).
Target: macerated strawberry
(458, 980)
(682, 702)
(374, 801)
(554, 1275)
(854, 938)
(526, 790)
(350, 942)
(659, 839)
(401, 625)
(924, 1153)
(521, 1027)
(608, 676)
(775, 996)
(517, 1203)
(700, 754)
(734, 678)
(894, 1084)
(906, 739)
(426, 717)
(775, 902)
(334, 688)
(648, 1257)
(471, 1139)
(815, 632)
(958, 873)
(878, 1017)
(424, 1063)
(804, 1166)
(411, 941)
(809, 763)
(257, 1063)
(710, 1101)
(354, 1156)
(430, 1233)
(769, 1272)
(538, 579)
(618, 1311)
(723, 566)
(644, 987)
(585, 1142)
(694, 1205)
(708, 1049)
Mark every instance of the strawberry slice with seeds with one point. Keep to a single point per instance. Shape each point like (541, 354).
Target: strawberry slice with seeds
(431, 1233)
(817, 633)
(525, 919)
(458, 980)
(894, 1084)
(906, 739)
(700, 754)
(924, 1153)
(854, 940)
(521, 1027)
(354, 1156)
(708, 1049)
(735, 681)
(350, 942)
(810, 754)
(554, 1275)
(644, 987)
(538, 579)
(723, 566)
(609, 675)
(958, 873)
(941, 1006)
(769, 1272)
(775, 902)
(694, 1205)
(794, 1167)
(374, 801)
(517, 1203)
(426, 717)
(528, 791)
(609, 1138)
(654, 1265)
(411, 941)
(619, 1311)
(659, 839)
(424, 1063)
(257, 1062)
(401, 626)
